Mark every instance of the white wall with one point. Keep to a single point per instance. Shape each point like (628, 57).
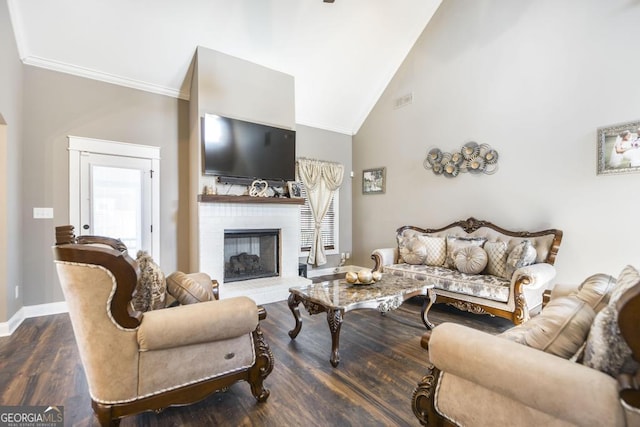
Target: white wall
(534, 79)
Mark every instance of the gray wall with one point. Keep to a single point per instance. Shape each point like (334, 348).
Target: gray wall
(11, 87)
(534, 80)
(57, 105)
(321, 144)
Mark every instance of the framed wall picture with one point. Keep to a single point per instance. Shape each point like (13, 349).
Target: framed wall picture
(619, 148)
(295, 191)
(373, 181)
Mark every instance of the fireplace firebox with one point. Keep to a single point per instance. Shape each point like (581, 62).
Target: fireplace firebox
(251, 254)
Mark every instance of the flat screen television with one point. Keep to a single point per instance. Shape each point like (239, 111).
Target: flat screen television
(239, 152)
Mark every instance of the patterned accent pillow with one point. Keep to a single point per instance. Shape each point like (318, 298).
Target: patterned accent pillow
(436, 250)
(151, 288)
(606, 349)
(521, 255)
(470, 259)
(497, 259)
(454, 243)
(414, 251)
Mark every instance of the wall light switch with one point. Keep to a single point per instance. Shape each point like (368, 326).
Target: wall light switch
(43, 213)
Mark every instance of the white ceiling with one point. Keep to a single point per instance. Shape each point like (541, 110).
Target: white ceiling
(342, 55)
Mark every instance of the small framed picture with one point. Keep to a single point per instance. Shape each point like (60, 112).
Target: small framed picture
(619, 148)
(373, 181)
(295, 189)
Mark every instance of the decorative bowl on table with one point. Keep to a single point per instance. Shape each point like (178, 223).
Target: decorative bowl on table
(362, 277)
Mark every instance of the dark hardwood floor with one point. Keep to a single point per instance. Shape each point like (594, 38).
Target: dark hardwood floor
(381, 363)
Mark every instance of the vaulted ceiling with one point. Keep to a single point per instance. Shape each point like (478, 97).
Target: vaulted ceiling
(342, 55)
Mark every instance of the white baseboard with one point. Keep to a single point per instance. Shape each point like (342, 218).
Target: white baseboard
(9, 327)
(332, 270)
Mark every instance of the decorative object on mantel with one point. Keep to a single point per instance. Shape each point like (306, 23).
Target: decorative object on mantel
(472, 157)
(258, 188)
(619, 148)
(295, 192)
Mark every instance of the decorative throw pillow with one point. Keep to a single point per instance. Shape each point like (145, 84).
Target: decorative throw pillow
(560, 329)
(596, 290)
(436, 250)
(414, 251)
(521, 255)
(403, 238)
(606, 349)
(187, 290)
(151, 287)
(455, 243)
(470, 259)
(497, 259)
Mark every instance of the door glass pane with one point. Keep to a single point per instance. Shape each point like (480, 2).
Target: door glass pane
(116, 204)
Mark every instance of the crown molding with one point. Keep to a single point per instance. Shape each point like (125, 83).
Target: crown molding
(103, 77)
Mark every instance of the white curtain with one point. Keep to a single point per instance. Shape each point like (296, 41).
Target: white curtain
(321, 180)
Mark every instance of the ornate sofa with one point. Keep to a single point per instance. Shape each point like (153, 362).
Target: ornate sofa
(167, 356)
(575, 364)
(477, 266)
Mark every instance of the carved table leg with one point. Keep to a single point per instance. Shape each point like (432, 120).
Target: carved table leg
(294, 301)
(426, 306)
(334, 317)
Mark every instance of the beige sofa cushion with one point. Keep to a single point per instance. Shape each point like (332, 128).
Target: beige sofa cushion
(560, 329)
(497, 258)
(455, 243)
(187, 290)
(470, 259)
(414, 250)
(596, 290)
(436, 250)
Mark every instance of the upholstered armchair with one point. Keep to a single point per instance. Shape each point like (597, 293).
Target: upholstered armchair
(137, 362)
(575, 364)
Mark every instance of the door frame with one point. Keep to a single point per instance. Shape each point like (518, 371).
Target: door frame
(79, 145)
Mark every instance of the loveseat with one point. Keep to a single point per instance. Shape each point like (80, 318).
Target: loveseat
(574, 364)
(477, 266)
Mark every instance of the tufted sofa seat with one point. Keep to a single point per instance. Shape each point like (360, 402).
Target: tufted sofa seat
(509, 291)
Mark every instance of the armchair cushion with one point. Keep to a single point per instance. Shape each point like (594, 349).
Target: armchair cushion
(560, 329)
(151, 288)
(190, 288)
(533, 379)
(197, 323)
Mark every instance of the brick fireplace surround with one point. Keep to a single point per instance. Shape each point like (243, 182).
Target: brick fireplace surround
(219, 213)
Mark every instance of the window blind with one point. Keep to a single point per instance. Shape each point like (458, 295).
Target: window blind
(328, 230)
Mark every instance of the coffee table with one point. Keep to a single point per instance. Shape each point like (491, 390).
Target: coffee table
(337, 297)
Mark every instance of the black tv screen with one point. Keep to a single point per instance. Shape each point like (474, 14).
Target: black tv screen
(238, 149)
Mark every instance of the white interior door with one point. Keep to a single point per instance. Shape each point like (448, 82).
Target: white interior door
(114, 191)
(115, 199)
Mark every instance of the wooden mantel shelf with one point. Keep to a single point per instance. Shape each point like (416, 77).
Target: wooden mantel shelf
(219, 198)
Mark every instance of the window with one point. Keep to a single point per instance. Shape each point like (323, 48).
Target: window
(329, 229)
